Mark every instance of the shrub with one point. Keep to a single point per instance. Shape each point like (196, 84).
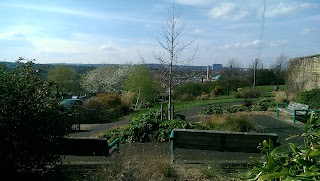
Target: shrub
(251, 93)
(212, 110)
(111, 105)
(310, 97)
(191, 88)
(93, 103)
(280, 96)
(127, 98)
(230, 122)
(217, 90)
(148, 128)
(30, 123)
(290, 161)
(186, 97)
(203, 96)
(262, 105)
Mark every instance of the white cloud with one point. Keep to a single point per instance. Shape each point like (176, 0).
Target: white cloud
(306, 31)
(254, 43)
(227, 11)
(14, 39)
(106, 47)
(287, 8)
(12, 35)
(277, 43)
(54, 9)
(194, 2)
(198, 31)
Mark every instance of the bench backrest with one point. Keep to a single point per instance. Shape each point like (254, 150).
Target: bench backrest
(296, 105)
(83, 147)
(220, 140)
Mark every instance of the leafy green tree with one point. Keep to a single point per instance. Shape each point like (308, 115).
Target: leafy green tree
(142, 84)
(67, 79)
(191, 88)
(265, 77)
(30, 122)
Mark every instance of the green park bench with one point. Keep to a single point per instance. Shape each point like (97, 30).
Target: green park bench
(87, 147)
(223, 141)
(294, 109)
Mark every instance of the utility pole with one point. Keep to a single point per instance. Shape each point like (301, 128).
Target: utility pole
(254, 72)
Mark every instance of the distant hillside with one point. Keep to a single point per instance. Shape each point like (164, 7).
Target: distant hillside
(82, 68)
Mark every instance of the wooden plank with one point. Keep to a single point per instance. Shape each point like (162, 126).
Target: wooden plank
(83, 147)
(200, 147)
(221, 140)
(211, 137)
(194, 131)
(198, 142)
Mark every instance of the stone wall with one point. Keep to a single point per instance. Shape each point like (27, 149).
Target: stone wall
(303, 74)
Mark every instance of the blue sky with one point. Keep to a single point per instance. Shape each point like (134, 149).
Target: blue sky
(117, 31)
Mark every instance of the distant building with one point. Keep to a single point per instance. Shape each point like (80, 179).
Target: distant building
(217, 67)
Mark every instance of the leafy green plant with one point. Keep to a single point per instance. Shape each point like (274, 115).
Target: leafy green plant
(310, 97)
(250, 93)
(110, 104)
(291, 161)
(31, 123)
(248, 105)
(148, 128)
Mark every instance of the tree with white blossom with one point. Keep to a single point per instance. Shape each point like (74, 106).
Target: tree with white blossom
(105, 78)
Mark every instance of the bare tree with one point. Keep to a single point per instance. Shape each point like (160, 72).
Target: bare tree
(231, 75)
(280, 67)
(173, 48)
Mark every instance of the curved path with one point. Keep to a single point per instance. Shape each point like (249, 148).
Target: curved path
(267, 123)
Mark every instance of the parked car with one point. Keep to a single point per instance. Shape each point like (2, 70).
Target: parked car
(70, 103)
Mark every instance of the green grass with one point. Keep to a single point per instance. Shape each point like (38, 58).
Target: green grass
(182, 106)
(270, 88)
(266, 92)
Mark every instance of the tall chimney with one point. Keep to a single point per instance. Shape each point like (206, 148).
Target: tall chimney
(208, 73)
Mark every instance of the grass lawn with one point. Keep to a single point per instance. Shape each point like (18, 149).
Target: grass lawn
(182, 106)
(266, 92)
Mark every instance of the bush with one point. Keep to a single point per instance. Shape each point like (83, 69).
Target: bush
(212, 110)
(186, 97)
(251, 93)
(192, 88)
(248, 105)
(203, 96)
(93, 103)
(30, 123)
(280, 96)
(290, 161)
(148, 128)
(111, 105)
(230, 122)
(311, 98)
(217, 90)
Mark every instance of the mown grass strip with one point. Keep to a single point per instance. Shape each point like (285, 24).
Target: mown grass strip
(182, 106)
